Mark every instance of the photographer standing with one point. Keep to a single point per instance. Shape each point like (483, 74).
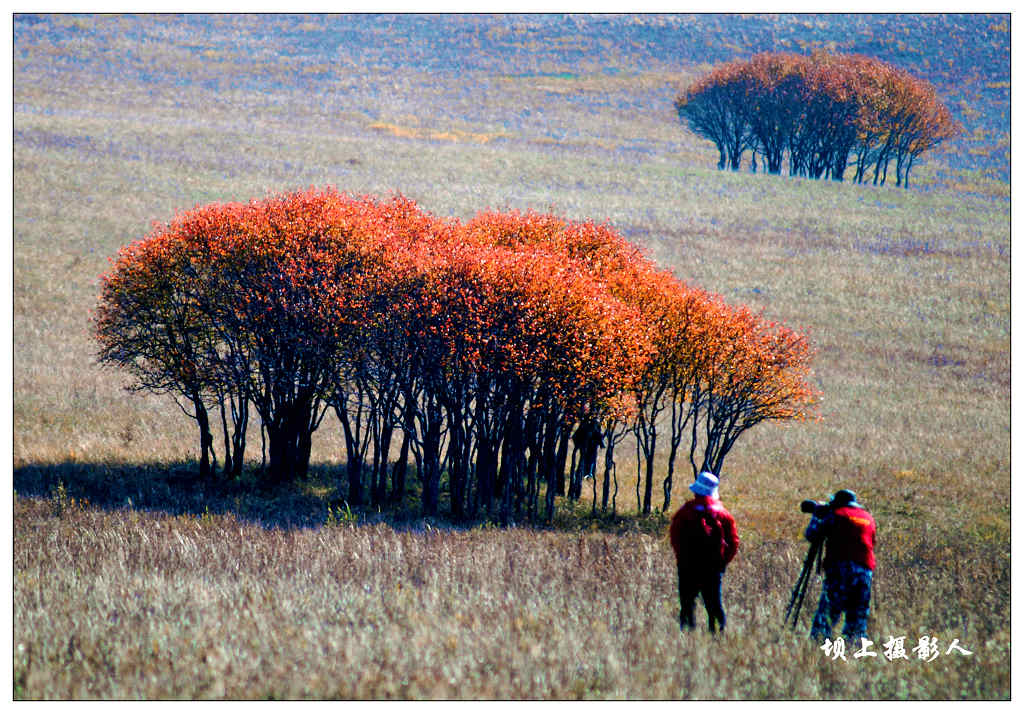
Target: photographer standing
(703, 536)
(848, 531)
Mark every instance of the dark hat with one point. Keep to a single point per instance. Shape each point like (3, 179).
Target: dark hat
(844, 497)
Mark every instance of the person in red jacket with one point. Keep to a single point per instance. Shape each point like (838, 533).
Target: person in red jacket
(704, 539)
(848, 531)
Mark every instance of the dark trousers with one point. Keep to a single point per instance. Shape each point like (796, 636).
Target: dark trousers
(707, 584)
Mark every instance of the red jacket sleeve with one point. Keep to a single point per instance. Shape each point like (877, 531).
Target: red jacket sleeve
(731, 539)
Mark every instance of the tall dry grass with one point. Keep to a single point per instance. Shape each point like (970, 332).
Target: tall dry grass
(123, 604)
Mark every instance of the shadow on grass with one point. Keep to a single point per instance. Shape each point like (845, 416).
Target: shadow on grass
(177, 489)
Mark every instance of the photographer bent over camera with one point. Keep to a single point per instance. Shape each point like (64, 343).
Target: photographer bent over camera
(848, 531)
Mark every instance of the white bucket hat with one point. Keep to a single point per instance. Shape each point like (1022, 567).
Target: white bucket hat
(705, 485)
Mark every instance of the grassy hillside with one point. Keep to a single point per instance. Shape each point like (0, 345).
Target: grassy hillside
(122, 120)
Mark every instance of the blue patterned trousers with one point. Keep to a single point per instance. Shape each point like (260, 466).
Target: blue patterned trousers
(846, 591)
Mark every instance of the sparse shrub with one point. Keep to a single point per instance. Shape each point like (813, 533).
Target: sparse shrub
(341, 516)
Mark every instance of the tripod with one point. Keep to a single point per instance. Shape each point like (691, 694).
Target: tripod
(797, 598)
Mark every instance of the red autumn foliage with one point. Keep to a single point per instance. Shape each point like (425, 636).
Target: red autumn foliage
(485, 346)
(818, 110)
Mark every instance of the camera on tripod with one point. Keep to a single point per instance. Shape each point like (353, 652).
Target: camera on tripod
(820, 509)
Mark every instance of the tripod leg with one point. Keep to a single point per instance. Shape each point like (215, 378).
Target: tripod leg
(799, 603)
(800, 590)
(798, 598)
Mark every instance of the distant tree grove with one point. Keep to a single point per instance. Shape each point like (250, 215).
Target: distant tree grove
(493, 360)
(825, 113)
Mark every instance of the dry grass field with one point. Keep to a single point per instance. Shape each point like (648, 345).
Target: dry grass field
(131, 581)
(129, 604)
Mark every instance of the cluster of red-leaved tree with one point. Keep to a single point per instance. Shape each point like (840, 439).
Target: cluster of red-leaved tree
(495, 358)
(825, 112)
